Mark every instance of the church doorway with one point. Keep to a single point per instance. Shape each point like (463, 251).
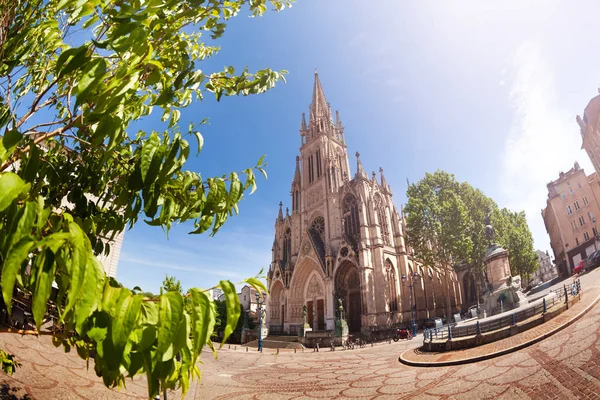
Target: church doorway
(309, 314)
(321, 314)
(347, 283)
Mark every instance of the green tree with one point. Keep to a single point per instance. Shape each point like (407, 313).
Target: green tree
(171, 284)
(74, 77)
(477, 205)
(515, 236)
(437, 224)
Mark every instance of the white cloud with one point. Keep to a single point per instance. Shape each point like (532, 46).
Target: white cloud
(544, 139)
(174, 266)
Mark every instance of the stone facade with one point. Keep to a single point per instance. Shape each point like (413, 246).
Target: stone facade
(570, 217)
(546, 270)
(344, 239)
(590, 131)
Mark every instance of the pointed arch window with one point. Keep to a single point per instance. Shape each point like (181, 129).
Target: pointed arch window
(318, 159)
(318, 226)
(383, 220)
(391, 284)
(351, 221)
(296, 200)
(287, 245)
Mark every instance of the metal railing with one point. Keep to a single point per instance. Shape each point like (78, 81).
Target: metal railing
(561, 296)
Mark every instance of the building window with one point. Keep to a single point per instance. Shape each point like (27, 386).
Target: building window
(383, 221)
(581, 220)
(586, 236)
(564, 196)
(287, 245)
(591, 215)
(576, 241)
(577, 208)
(595, 231)
(571, 191)
(391, 278)
(569, 211)
(351, 222)
(318, 226)
(574, 225)
(585, 201)
(318, 163)
(296, 200)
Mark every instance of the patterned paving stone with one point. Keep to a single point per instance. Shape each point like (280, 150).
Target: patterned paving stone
(564, 366)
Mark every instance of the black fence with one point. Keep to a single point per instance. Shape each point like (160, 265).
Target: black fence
(561, 296)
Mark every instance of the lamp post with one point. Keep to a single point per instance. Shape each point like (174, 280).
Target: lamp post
(259, 305)
(410, 282)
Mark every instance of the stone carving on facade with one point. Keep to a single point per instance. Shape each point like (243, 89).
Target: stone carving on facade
(314, 288)
(314, 197)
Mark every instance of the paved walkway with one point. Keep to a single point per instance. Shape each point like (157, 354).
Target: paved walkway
(564, 366)
(418, 358)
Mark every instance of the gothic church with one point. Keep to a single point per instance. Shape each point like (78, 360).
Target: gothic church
(344, 239)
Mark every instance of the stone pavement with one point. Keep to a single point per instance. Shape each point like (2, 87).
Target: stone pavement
(419, 358)
(565, 365)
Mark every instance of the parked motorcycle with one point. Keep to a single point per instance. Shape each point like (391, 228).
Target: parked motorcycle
(402, 333)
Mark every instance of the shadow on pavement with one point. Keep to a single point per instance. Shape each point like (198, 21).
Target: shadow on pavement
(8, 392)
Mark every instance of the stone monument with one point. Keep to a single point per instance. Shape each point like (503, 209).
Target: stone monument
(504, 291)
(341, 326)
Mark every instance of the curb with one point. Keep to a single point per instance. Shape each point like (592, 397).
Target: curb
(501, 352)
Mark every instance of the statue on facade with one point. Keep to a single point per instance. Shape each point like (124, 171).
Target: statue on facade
(304, 313)
(490, 233)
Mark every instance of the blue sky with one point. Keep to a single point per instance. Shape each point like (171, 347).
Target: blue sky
(486, 90)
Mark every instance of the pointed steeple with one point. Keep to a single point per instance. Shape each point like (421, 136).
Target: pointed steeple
(287, 212)
(360, 172)
(319, 108)
(384, 184)
(297, 172)
(338, 121)
(280, 215)
(303, 126)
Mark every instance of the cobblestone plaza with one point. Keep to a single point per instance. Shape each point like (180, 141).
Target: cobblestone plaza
(565, 365)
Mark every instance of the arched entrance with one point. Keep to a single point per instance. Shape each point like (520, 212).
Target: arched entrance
(276, 307)
(307, 288)
(347, 287)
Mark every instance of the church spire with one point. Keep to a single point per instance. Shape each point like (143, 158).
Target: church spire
(319, 108)
(303, 126)
(384, 184)
(297, 172)
(280, 215)
(360, 172)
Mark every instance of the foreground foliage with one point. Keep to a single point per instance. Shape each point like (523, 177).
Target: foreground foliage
(74, 76)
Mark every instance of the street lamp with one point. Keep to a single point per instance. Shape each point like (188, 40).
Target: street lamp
(259, 305)
(410, 282)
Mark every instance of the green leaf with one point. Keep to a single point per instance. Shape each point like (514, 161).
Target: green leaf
(73, 59)
(11, 187)
(25, 224)
(45, 269)
(232, 303)
(92, 75)
(257, 285)
(76, 264)
(93, 283)
(200, 140)
(203, 320)
(125, 316)
(12, 267)
(11, 139)
(170, 313)
(148, 150)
